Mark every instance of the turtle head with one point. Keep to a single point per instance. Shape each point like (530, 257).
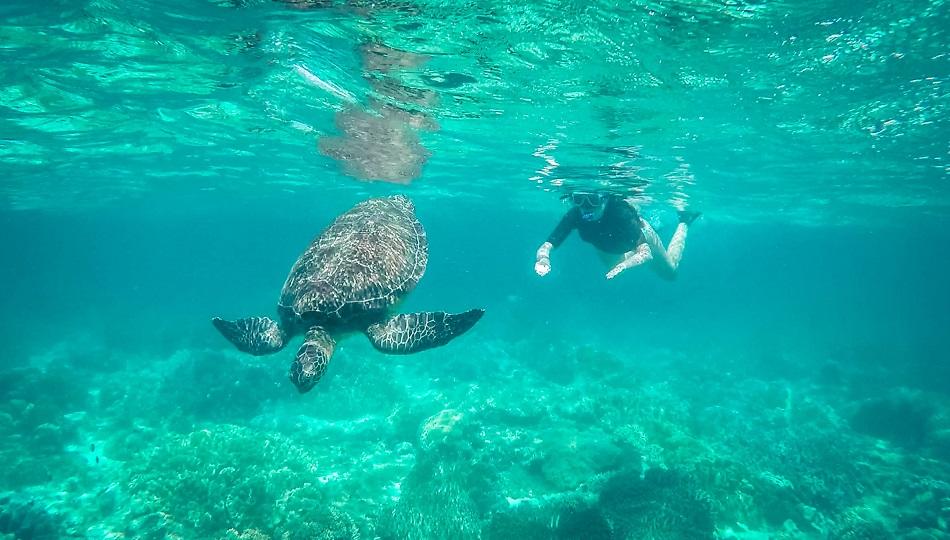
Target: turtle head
(312, 359)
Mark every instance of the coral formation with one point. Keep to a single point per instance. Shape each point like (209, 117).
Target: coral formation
(208, 482)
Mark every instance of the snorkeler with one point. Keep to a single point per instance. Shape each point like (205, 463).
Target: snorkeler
(613, 225)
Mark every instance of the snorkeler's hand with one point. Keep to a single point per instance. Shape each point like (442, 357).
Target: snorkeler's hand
(543, 264)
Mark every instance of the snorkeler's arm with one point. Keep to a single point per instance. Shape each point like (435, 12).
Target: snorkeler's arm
(633, 258)
(564, 228)
(542, 263)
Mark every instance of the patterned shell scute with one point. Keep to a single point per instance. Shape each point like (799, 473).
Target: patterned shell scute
(367, 260)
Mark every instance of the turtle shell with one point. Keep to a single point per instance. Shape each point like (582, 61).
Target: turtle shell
(366, 261)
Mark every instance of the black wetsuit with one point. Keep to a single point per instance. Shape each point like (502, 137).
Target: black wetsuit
(617, 231)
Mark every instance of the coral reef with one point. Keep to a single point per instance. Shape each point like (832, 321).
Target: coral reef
(206, 444)
(208, 482)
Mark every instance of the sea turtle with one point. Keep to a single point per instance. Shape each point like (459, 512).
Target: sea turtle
(347, 280)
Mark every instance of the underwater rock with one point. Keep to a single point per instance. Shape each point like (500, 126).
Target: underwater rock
(351, 391)
(777, 500)
(215, 386)
(554, 362)
(582, 522)
(859, 524)
(920, 504)
(803, 440)
(903, 419)
(89, 355)
(584, 411)
(247, 534)
(573, 458)
(634, 440)
(34, 397)
(322, 524)
(27, 471)
(48, 438)
(406, 421)
(441, 428)
(434, 504)
(523, 522)
(565, 520)
(563, 472)
(598, 363)
(27, 519)
(940, 444)
(527, 407)
(661, 505)
(563, 362)
(108, 499)
(131, 444)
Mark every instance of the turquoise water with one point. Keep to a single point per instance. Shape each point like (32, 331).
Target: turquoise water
(166, 162)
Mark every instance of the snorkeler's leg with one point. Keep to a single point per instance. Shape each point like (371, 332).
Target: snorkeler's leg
(656, 245)
(674, 250)
(669, 256)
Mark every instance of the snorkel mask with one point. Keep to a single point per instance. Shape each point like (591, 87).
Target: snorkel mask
(591, 205)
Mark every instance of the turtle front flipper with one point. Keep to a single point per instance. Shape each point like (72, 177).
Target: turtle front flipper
(413, 332)
(254, 335)
(312, 359)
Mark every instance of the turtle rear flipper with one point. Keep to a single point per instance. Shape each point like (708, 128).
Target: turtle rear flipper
(312, 359)
(413, 332)
(254, 335)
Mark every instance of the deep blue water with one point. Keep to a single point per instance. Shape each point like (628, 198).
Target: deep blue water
(152, 275)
